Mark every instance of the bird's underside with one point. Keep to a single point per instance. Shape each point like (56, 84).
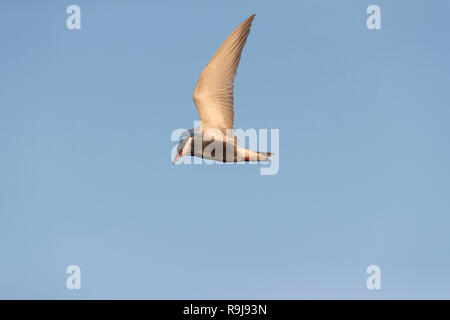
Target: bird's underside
(225, 150)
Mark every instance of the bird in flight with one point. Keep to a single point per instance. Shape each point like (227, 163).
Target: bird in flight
(213, 97)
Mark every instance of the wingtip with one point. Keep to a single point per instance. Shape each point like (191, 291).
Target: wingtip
(250, 19)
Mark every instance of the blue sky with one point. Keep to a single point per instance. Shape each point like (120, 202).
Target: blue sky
(86, 176)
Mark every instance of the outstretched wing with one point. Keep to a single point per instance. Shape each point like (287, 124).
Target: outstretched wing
(213, 94)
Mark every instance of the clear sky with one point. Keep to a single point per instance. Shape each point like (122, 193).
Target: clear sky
(86, 176)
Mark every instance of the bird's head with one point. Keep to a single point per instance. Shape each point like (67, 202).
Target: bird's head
(185, 148)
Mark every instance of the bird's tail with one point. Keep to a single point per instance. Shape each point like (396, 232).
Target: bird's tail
(264, 156)
(251, 155)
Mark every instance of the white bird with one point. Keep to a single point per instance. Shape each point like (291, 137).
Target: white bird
(213, 97)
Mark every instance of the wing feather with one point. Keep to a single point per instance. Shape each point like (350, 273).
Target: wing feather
(213, 95)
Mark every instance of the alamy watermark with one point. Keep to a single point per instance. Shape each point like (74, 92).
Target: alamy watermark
(74, 279)
(74, 20)
(373, 22)
(374, 280)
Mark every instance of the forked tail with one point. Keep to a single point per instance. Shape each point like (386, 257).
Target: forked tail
(264, 156)
(257, 156)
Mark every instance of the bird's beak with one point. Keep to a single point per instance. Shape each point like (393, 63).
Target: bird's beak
(176, 158)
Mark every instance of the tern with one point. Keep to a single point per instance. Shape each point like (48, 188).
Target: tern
(213, 97)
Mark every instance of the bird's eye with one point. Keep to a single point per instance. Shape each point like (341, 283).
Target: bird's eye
(181, 151)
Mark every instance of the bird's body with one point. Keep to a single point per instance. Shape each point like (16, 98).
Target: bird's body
(213, 97)
(223, 150)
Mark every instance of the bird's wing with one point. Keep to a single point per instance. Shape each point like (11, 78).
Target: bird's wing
(213, 94)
